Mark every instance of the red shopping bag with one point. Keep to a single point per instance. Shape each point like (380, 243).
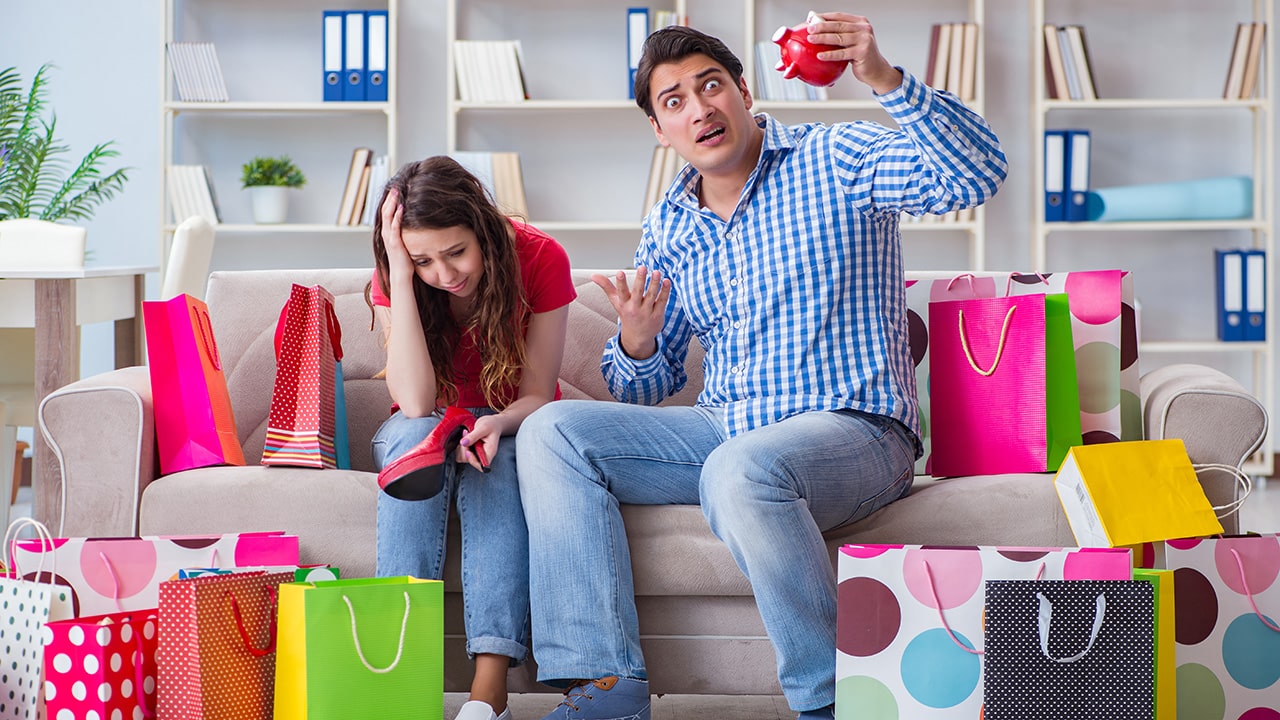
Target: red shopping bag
(195, 425)
(1003, 385)
(216, 659)
(307, 425)
(102, 666)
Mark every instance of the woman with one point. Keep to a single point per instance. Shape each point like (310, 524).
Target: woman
(474, 306)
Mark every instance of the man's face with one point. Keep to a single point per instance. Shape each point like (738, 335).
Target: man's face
(701, 114)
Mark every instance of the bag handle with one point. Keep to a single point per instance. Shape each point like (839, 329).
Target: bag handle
(1244, 582)
(205, 326)
(115, 580)
(1244, 481)
(270, 647)
(937, 604)
(355, 637)
(1046, 616)
(968, 352)
(46, 548)
(335, 330)
(967, 276)
(1008, 283)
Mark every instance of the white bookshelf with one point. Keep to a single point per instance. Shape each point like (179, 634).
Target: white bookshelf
(1146, 87)
(265, 114)
(604, 233)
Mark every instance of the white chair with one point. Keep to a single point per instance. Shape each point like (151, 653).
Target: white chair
(25, 244)
(187, 270)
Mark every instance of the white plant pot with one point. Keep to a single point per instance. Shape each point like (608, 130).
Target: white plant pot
(270, 203)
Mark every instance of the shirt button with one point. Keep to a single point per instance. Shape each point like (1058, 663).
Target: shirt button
(734, 369)
(734, 282)
(738, 324)
(728, 235)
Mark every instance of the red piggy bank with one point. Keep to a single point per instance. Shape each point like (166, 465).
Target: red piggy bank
(800, 57)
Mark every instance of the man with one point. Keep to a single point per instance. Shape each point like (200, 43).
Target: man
(778, 248)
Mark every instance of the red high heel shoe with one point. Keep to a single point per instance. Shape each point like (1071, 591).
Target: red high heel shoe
(419, 473)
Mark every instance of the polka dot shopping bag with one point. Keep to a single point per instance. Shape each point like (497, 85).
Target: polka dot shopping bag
(1069, 649)
(909, 622)
(101, 667)
(29, 601)
(307, 426)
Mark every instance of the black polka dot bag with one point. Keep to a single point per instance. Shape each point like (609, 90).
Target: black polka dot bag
(1069, 649)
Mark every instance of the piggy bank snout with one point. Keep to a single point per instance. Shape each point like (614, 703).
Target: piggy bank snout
(799, 57)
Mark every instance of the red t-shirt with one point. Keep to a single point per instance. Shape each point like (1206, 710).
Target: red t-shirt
(544, 270)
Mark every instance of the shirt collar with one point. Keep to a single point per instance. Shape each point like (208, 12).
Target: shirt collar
(777, 139)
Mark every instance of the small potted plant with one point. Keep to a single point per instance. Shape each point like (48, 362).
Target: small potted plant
(268, 180)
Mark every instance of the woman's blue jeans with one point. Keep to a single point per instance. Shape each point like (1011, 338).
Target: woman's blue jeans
(495, 557)
(768, 494)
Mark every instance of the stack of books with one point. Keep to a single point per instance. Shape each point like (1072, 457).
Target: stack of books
(501, 175)
(1068, 73)
(662, 172)
(366, 177)
(771, 85)
(197, 72)
(191, 193)
(952, 64)
(1246, 59)
(489, 71)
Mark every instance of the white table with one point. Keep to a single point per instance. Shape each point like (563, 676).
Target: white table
(56, 302)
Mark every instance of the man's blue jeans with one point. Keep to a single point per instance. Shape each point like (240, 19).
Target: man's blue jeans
(768, 495)
(495, 559)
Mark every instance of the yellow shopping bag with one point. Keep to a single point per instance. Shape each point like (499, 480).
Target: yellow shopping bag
(1128, 493)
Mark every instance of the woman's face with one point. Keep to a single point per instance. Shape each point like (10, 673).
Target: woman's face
(448, 259)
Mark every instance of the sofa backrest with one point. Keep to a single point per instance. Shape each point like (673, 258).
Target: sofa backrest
(244, 306)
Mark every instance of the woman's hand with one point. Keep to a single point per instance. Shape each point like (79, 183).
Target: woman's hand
(392, 210)
(641, 309)
(486, 433)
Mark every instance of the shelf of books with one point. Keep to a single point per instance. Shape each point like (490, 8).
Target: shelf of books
(225, 100)
(1197, 225)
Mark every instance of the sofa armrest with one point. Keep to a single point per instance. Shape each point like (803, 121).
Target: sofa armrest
(1215, 417)
(101, 431)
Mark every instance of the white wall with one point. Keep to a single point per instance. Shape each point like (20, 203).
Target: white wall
(107, 86)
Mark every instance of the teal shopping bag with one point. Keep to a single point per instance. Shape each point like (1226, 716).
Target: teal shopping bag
(366, 647)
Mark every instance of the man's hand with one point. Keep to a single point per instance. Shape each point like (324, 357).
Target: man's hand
(857, 42)
(641, 308)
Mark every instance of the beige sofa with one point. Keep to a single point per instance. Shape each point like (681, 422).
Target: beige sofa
(702, 633)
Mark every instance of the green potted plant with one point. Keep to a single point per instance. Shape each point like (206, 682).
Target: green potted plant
(268, 180)
(36, 183)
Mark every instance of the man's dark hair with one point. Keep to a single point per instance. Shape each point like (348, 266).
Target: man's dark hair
(675, 43)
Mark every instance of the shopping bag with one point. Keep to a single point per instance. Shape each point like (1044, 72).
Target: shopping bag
(216, 657)
(194, 421)
(102, 666)
(1128, 493)
(1227, 599)
(1166, 660)
(368, 647)
(29, 600)
(909, 620)
(307, 423)
(301, 573)
(109, 575)
(1002, 386)
(1104, 333)
(1066, 650)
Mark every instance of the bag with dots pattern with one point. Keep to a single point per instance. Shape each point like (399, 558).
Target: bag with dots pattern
(28, 602)
(101, 667)
(307, 426)
(1069, 649)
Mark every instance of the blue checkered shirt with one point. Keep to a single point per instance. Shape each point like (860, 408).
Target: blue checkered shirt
(798, 299)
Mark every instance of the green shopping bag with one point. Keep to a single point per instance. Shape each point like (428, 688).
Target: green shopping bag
(366, 647)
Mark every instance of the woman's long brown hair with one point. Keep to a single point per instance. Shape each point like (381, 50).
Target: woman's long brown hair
(438, 193)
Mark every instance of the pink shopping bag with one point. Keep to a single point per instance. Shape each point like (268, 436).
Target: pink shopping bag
(102, 666)
(1002, 387)
(195, 425)
(109, 575)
